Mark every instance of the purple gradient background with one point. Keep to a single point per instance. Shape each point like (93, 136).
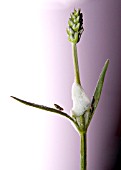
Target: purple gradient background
(101, 40)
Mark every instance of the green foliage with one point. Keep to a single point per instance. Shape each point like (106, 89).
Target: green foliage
(82, 122)
(98, 91)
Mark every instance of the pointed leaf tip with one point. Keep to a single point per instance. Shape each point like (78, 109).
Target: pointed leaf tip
(98, 90)
(99, 86)
(44, 108)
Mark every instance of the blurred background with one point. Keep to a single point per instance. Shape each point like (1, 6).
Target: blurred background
(36, 65)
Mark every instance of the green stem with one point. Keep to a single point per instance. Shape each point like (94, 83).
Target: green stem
(75, 62)
(81, 120)
(83, 149)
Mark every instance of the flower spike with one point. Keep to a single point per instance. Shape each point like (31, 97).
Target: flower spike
(75, 26)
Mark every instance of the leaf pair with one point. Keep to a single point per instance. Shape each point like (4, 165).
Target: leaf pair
(94, 102)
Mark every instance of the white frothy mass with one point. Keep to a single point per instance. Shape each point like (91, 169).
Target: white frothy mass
(81, 102)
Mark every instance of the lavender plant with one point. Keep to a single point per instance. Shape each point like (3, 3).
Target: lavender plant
(83, 108)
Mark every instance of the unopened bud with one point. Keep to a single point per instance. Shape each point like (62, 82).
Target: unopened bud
(75, 28)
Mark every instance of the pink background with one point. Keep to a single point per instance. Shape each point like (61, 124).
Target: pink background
(101, 40)
(36, 65)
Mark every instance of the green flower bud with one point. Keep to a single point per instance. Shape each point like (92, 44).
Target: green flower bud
(75, 28)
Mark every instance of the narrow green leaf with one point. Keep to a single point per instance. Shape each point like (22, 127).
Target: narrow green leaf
(44, 108)
(98, 90)
(99, 86)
